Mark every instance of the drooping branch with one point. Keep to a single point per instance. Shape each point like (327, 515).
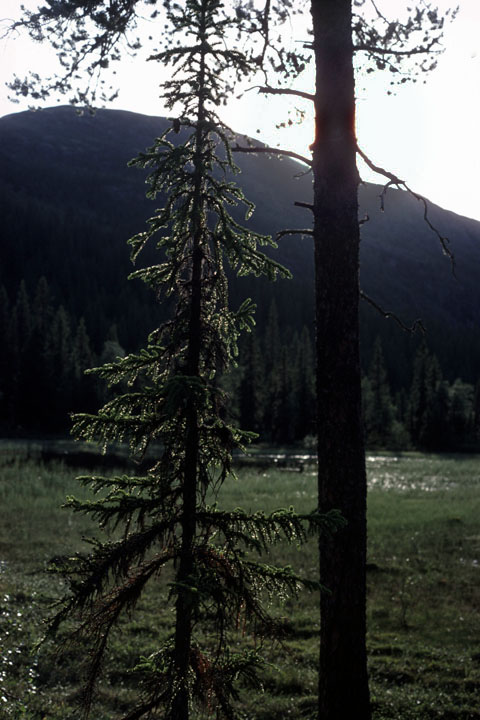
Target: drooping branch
(379, 170)
(395, 180)
(272, 151)
(417, 324)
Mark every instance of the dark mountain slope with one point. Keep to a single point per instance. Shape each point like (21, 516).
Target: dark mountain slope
(68, 203)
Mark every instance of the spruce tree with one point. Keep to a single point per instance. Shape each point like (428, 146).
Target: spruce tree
(272, 350)
(303, 387)
(429, 403)
(418, 394)
(251, 390)
(377, 402)
(167, 401)
(40, 386)
(281, 411)
(476, 415)
(460, 407)
(83, 358)
(60, 368)
(5, 361)
(20, 336)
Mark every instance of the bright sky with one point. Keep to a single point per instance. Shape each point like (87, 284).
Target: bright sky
(426, 134)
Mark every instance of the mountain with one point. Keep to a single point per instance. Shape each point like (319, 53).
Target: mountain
(68, 204)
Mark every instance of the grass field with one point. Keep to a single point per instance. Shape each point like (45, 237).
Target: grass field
(423, 594)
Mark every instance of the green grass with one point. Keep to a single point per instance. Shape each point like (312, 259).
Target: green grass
(423, 594)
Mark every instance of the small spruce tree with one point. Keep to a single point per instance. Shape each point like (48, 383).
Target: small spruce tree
(378, 406)
(167, 396)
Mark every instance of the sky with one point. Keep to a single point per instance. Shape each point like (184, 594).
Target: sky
(427, 134)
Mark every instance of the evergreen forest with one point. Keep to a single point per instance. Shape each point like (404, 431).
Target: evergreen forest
(66, 304)
(46, 350)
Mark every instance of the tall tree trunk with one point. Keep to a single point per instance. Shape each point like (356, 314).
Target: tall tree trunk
(184, 610)
(343, 684)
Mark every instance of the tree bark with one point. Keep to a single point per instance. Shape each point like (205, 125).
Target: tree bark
(343, 681)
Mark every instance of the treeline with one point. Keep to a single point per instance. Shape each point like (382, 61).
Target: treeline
(46, 350)
(273, 391)
(274, 395)
(44, 355)
(431, 414)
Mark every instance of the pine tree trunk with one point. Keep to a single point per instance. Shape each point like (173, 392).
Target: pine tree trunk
(343, 684)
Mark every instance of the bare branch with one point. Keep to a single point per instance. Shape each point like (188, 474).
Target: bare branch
(417, 324)
(272, 151)
(394, 180)
(379, 13)
(379, 170)
(309, 206)
(443, 240)
(302, 174)
(282, 233)
(283, 91)
(383, 194)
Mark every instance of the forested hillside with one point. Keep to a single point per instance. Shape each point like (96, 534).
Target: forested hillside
(68, 204)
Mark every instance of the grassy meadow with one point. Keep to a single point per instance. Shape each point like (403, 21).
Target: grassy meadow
(423, 594)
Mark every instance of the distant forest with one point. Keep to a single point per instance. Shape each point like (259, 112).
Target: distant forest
(68, 203)
(46, 350)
